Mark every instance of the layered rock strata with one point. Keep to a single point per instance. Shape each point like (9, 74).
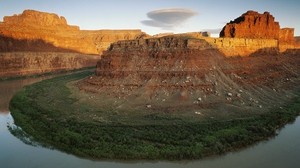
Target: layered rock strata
(44, 29)
(175, 74)
(34, 31)
(29, 63)
(253, 25)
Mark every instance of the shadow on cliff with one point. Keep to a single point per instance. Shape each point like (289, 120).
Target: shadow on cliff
(9, 44)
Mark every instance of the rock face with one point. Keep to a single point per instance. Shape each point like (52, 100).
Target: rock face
(34, 31)
(231, 47)
(149, 51)
(286, 35)
(31, 18)
(252, 25)
(30, 63)
(257, 26)
(40, 28)
(175, 74)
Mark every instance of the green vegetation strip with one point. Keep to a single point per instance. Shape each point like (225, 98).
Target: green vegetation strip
(46, 112)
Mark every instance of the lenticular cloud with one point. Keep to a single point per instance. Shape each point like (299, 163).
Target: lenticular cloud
(168, 18)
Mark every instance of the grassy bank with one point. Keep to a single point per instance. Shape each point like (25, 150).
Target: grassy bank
(47, 112)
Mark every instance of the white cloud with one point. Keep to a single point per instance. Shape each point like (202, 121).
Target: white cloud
(168, 18)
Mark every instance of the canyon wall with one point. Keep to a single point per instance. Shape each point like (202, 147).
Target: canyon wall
(181, 74)
(46, 28)
(198, 75)
(243, 46)
(29, 63)
(39, 42)
(253, 25)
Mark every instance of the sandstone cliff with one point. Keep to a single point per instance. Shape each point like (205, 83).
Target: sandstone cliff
(41, 28)
(175, 74)
(34, 31)
(31, 18)
(254, 25)
(199, 76)
(243, 46)
(29, 63)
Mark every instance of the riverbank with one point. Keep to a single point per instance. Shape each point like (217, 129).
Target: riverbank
(58, 72)
(48, 112)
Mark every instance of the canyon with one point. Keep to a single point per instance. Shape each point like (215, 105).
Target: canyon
(159, 68)
(175, 74)
(35, 33)
(43, 33)
(192, 72)
(169, 96)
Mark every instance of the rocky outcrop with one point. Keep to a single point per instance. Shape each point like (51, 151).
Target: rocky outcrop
(166, 49)
(41, 28)
(254, 25)
(34, 31)
(286, 35)
(31, 18)
(29, 63)
(175, 74)
(231, 47)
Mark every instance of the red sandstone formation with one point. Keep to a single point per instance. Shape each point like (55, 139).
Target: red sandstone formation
(175, 74)
(30, 63)
(191, 74)
(256, 26)
(42, 29)
(286, 35)
(31, 18)
(55, 40)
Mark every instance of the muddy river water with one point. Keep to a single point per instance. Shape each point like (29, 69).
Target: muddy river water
(278, 152)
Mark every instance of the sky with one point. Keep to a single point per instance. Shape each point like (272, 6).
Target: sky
(157, 16)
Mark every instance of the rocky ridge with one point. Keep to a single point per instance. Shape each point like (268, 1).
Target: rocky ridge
(195, 74)
(46, 28)
(14, 64)
(253, 25)
(256, 26)
(175, 74)
(61, 46)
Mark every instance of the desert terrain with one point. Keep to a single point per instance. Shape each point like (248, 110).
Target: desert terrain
(180, 96)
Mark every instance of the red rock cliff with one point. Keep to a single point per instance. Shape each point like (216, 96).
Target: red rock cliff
(185, 74)
(34, 27)
(29, 63)
(31, 18)
(255, 25)
(252, 25)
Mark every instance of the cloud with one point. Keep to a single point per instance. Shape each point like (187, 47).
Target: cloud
(168, 18)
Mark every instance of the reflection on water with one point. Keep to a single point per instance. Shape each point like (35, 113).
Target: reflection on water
(9, 88)
(281, 151)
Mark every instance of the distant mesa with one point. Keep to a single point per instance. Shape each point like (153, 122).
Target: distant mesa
(38, 42)
(35, 31)
(38, 19)
(257, 26)
(52, 29)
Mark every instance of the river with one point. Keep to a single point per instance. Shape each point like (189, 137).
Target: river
(280, 151)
